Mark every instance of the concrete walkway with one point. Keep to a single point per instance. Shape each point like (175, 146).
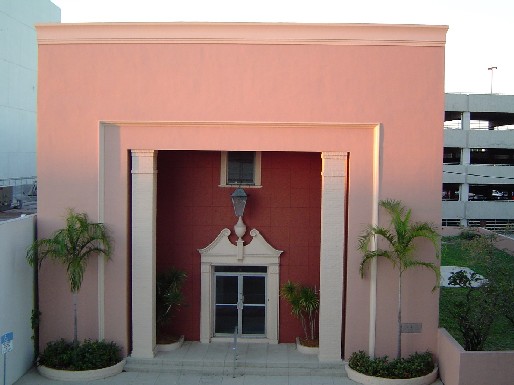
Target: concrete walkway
(212, 364)
(134, 378)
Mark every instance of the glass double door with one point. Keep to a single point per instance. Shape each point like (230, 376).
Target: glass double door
(240, 302)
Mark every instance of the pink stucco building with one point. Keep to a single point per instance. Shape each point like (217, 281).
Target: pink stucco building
(139, 123)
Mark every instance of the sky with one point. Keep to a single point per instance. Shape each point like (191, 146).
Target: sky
(480, 35)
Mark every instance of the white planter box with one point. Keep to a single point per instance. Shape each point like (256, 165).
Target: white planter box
(81, 375)
(305, 349)
(170, 347)
(369, 380)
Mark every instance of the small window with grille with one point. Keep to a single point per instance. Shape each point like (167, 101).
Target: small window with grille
(240, 168)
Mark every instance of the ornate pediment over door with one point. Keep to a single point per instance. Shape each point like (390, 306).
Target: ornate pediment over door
(221, 254)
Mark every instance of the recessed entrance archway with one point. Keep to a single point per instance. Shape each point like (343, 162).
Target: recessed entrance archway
(173, 135)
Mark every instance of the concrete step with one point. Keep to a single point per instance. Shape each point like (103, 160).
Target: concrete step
(213, 367)
(252, 359)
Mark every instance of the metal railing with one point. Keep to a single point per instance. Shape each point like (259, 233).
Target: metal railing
(476, 125)
(493, 224)
(451, 222)
(19, 190)
(234, 351)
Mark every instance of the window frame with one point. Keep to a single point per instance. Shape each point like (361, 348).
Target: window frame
(256, 171)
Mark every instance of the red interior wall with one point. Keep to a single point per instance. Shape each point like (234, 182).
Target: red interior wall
(192, 210)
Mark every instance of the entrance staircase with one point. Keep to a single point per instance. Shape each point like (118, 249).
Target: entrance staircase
(251, 358)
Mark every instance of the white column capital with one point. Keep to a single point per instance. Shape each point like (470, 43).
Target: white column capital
(136, 152)
(334, 164)
(144, 161)
(334, 155)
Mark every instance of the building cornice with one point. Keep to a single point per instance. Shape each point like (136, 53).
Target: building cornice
(245, 124)
(243, 33)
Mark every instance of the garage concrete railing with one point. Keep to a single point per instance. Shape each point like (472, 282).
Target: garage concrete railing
(460, 367)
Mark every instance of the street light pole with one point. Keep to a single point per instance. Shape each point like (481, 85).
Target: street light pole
(492, 71)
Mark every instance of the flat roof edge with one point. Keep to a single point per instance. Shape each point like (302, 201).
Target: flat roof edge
(242, 33)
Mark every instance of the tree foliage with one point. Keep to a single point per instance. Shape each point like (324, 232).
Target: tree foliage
(400, 247)
(88, 355)
(72, 246)
(416, 365)
(304, 301)
(486, 299)
(169, 296)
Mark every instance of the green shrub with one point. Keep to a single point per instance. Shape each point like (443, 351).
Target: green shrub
(90, 354)
(469, 235)
(476, 312)
(57, 355)
(470, 308)
(169, 295)
(485, 300)
(416, 365)
(304, 302)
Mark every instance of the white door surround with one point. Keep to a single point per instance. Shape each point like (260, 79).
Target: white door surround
(258, 252)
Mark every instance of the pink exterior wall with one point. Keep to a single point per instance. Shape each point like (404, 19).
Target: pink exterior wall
(459, 367)
(449, 352)
(332, 78)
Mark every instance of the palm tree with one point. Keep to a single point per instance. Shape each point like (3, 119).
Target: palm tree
(169, 295)
(400, 238)
(72, 246)
(304, 301)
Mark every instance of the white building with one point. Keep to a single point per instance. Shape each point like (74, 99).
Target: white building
(18, 84)
(478, 161)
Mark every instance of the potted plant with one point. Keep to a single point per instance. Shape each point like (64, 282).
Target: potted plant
(417, 369)
(304, 302)
(169, 298)
(399, 237)
(72, 246)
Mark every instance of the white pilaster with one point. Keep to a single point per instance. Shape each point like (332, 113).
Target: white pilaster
(466, 156)
(206, 309)
(464, 187)
(465, 161)
(466, 120)
(144, 205)
(332, 248)
(101, 219)
(464, 197)
(273, 305)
